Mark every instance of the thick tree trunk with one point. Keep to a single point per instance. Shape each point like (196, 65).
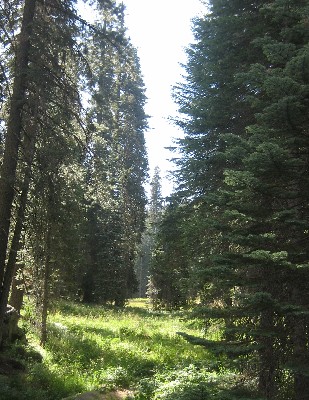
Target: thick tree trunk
(28, 150)
(12, 143)
(28, 147)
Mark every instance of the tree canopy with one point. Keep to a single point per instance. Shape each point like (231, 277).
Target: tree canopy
(231, 242)
(237, 224)
(73, 157)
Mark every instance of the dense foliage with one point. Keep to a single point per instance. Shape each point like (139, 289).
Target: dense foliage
(72, 152)
(232, 241)
(237, 226)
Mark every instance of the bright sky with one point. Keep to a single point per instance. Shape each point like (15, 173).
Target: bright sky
(160, 30)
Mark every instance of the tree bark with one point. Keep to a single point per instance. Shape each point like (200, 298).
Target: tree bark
(29, 148)
(17, 292)
(267, 370)
(12, 142)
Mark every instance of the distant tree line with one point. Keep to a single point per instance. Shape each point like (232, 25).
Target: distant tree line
(72, 153)
(235, 234)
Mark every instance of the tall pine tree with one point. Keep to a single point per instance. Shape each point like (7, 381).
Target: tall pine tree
(244, 172)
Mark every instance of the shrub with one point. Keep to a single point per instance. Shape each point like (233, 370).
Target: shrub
(188, 383)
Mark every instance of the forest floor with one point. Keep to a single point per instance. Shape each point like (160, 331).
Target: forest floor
(106, 353)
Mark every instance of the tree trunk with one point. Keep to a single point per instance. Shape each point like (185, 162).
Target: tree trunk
(12, 143)
(45, 299)
(301, 380)
(48, 261)
(300, 344)
(267, 358)
(17, 293)
(29, 148)
(14, 128)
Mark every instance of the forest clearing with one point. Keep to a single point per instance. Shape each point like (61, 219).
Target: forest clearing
(223, 260)
(133, 350)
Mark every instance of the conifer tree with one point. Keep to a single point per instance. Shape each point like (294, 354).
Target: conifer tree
(12, 144)
(116, 166)
(152, 226)
(52, 109)
(243, 171)
(51, 148)
(169, 267)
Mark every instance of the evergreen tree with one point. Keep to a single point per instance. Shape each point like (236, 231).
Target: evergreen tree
(169, 267)
(243, 172)
(52, 110)
(59, 150)
(116, 166)
(12, 144)
(153, 220)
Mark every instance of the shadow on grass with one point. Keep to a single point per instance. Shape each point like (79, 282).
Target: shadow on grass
(52, 384)
(77, 309)
(39, 382)
(82, 357)
(84, 309)
(75, 348)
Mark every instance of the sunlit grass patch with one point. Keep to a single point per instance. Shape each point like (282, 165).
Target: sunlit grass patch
(139, 303)
(118, 343)
(104, 348)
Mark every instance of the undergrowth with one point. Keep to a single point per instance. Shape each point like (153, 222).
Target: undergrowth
(96, 348)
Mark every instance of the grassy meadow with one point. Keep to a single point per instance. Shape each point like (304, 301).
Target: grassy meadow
(96, 348)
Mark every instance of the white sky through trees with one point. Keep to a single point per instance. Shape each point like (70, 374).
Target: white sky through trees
(160, 30)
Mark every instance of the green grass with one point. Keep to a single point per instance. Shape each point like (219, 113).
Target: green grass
(96, 348)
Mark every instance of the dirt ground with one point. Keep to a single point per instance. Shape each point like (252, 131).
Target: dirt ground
(117, 394)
